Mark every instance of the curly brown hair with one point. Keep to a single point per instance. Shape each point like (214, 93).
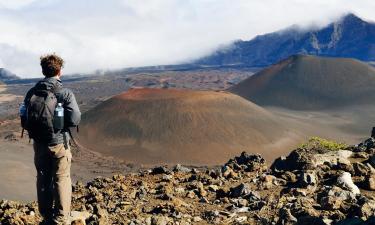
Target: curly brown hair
(51, 64)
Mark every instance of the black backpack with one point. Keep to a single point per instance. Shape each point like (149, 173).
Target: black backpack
(40, 112)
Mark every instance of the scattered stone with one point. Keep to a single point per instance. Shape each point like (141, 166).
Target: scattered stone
(228, 172)
(213, 188)
(309, 186)
(203, 200)
(250, 162)
(289, 177)
(181, 169)
(268, 181)
(11, 137)
(159, 220)
(286, 217)
(160, 170)
(167, 177)
(336, 198)
(191, 194)
(366, 145)
(240, 191)
(197, 219)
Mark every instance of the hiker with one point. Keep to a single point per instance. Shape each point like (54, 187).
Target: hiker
(50, 111)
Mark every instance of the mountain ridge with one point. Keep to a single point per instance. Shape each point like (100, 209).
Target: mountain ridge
(349, 37)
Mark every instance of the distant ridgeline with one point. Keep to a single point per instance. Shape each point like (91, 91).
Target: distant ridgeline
(349, 37)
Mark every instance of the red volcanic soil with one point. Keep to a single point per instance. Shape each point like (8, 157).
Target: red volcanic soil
(310, 82)
(153, 126)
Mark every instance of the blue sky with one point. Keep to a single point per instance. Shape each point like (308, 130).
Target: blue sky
(111, 34)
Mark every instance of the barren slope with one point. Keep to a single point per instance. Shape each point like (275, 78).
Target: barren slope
(309, 82)
(153, 126)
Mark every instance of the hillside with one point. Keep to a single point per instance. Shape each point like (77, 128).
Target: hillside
(349, 37)
(310, 82)
(151, 126)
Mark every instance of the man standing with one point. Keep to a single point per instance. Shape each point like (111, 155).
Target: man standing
(51, 144)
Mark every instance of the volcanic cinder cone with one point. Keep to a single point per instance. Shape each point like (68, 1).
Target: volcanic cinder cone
(310, 82)
(152, 126)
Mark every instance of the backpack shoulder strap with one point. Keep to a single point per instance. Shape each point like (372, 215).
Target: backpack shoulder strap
(28, 96)
(56, 91)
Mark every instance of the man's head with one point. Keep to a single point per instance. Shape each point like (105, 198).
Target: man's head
(51, 65)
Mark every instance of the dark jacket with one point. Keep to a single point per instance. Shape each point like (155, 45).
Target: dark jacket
(72, 114)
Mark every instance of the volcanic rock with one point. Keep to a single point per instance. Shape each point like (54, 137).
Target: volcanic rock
(336, 198)
(308, 178)
(299, 159)
(324, 194)
(240, 190)
(345, 181)
(370, 182)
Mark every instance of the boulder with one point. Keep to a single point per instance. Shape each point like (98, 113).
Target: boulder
(299, 159)
(160, 170)
(333, 158)
(181, 169)
(248, 162)
(345, 181)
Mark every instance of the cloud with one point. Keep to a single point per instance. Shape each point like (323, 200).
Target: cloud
(14, 4)
(97, 34)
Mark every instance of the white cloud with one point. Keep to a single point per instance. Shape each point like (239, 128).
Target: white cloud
(14, 4)
(97, 34)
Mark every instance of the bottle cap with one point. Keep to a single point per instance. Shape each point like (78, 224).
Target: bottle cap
(59, 104)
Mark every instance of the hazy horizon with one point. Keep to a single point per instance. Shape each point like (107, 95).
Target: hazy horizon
(115, 34)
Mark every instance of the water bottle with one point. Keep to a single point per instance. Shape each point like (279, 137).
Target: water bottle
(58, 118)
(22, 109)
(23, 114)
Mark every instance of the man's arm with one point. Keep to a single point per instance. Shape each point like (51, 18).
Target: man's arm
(72, 113)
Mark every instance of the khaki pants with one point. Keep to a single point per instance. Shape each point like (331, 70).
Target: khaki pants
(54, 185)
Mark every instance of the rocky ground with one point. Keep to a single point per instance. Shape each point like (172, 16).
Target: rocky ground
(319, 183)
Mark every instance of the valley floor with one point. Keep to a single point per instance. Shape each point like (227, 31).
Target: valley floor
(350, 125)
